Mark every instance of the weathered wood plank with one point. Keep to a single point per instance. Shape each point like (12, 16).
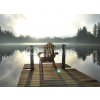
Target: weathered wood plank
(47, 76)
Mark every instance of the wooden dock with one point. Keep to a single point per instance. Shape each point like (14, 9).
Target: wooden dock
(48, 76)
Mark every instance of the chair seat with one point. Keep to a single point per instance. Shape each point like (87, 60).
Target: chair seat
(46, 59)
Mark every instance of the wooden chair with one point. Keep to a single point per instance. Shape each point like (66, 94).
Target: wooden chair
(48, 55)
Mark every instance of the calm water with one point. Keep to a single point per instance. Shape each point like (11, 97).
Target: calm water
(85, 58)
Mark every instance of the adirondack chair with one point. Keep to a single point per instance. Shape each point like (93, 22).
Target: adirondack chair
(48, 55)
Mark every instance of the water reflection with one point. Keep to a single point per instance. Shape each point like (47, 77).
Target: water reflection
(12, 59)
(96, 57)
(6, 51)
(81, 51)
(86, 50)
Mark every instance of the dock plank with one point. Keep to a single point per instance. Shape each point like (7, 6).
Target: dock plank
(47, 76)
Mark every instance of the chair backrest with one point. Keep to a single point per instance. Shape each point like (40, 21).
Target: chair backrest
(49, 50)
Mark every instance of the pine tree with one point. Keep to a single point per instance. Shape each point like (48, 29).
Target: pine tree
(0, 28)
(95, 30)
(98, 30)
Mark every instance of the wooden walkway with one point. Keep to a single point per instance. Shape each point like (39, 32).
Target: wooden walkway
(47, 76)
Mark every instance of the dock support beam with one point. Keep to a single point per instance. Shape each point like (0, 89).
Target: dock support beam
(32, 57)
(63, 56)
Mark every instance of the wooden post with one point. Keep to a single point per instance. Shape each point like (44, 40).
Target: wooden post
(31, 57)
(63, 56)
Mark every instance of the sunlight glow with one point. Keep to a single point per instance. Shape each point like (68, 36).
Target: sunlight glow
(48, 25)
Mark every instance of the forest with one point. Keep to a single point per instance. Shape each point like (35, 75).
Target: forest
(82, 36)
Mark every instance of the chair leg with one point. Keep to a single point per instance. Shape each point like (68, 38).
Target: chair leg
(40, 63)
(54, 65)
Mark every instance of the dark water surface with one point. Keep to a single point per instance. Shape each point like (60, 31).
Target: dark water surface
(85, 58)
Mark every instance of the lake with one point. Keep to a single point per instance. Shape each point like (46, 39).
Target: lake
(85, 58)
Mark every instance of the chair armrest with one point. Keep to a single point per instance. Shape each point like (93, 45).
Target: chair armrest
(39, 54)
(55, 53)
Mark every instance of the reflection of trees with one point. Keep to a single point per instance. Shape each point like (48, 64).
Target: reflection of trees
(0, 58)
(6, 51)
(81, 54)
(96, 56)
(85, 50)
(82, 51)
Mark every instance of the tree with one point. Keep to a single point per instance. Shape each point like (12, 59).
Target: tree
(95, 30)
(98, 31)
(82, 34)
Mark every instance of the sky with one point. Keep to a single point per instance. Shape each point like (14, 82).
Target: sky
(48, 18)
(47, 25)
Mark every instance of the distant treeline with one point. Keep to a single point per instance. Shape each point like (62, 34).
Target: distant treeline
(82, 36)
(8, 37)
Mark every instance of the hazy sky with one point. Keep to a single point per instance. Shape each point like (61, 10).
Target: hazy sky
(42, 18)
(47, 24)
